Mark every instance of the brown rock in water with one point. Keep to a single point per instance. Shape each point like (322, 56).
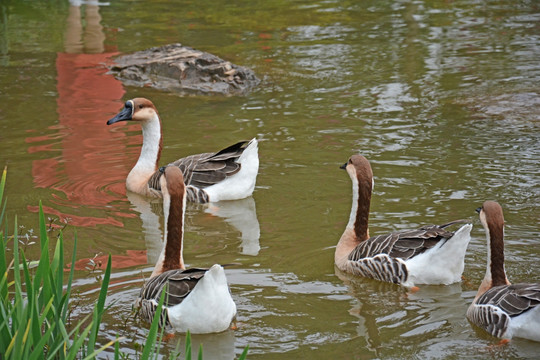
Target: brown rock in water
(182, 69)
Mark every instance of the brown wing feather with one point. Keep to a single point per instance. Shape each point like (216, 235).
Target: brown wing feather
(180, 284)
(512, 299)
(206, 169)
(403, 244)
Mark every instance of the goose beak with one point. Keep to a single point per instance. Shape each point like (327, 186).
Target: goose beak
(344, 166)
(124, 115)
(478, 210)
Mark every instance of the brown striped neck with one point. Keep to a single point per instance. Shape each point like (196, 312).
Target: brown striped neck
(491, 217)
(174, 202)
(361, 175)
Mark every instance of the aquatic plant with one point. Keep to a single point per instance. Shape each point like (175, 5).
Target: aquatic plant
(34, 305)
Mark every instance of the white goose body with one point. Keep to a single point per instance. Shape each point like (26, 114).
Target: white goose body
(502, 309)
(198, 300)
(208, 308)
(428, 255)
(228, 174)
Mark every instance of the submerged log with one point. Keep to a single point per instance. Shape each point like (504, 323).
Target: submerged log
(182, 69)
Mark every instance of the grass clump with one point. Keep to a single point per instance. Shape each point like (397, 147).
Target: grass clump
(34, 306)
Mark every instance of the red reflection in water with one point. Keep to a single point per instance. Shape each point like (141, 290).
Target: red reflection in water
(79, 220)
(88, 162)
(133, 258)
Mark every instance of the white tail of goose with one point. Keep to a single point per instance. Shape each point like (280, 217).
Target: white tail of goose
(502, 309)
(429, 255)
(198, 300)
(228, 174)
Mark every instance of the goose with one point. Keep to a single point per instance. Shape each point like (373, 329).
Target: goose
(428, 255)
(228, 174)
(197, 299)
(502, 309)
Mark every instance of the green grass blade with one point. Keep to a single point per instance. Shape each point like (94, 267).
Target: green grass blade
(32, 304)
(100, 306)
(200, 356)
(110, 343)
(16, 272)
(57, 268)
(72, 334)
(11, 345)
(3, 269)
(243, 356)
(42, 227)
(2, 187)
(70, 278)
(38, 347)
(188, 346)
(117, 349)
(41, 277)
(157, 346)
(78, 343)
(152, 334)
(3, 183)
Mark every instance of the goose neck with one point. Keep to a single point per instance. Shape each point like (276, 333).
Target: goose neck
(495, 267)
(152, 144)
(174, 234)
(359, 217)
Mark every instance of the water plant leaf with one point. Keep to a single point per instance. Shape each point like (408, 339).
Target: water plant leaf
(2, 187)
(38, 347)
(98, 309)
(152, 334)
(200, 357)
(109, 344)
(243, 356)
(188, 346)
(42, 228)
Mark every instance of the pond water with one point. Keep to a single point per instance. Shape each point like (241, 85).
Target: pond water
(442, 97)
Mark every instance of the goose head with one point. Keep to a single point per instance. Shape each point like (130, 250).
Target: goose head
(359, 169)
(138, 109)
(491, 217)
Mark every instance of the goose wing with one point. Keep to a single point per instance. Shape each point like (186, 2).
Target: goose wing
(403, 244)
(493, 309)
(383, 257)
(206, 169)
(181, 283)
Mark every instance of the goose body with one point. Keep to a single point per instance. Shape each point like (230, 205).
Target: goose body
(428, 255)
(198, 300)
(228, 174)
(502, 309)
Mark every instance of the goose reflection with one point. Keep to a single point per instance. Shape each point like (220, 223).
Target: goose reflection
(389, 316)
(240, 214)
(218, 346)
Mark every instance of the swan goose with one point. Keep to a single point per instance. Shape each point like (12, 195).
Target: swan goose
(502, 309)
(198, 300)
(428, 255)
(228, 174)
